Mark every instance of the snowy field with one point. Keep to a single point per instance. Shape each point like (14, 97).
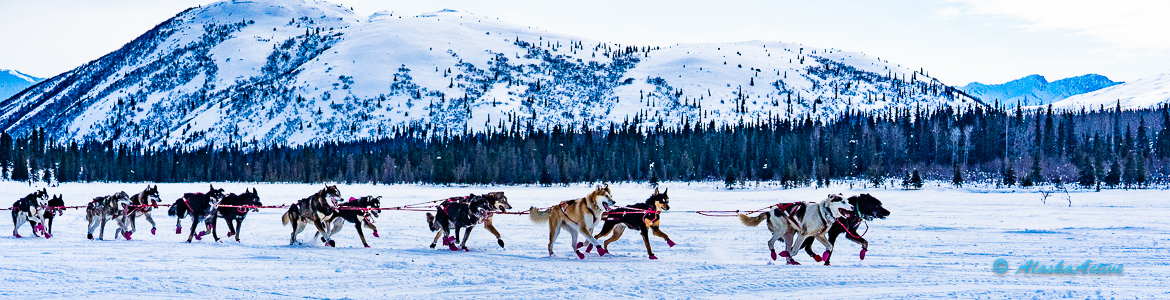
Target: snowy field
(936, 243)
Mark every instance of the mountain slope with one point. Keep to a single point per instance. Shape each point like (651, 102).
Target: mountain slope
(13, 81)
(293, 71)
(1149, 92)
(1036, 90)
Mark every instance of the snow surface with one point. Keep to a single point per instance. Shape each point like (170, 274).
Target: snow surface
(937, 243)
(1149, 92)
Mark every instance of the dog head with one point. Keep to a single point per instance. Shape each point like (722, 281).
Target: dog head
(603, 191)
(498, 200)
(215, 194)
(251, 198)
(57, 201)
(372, 202)
(151, 195)
(660, 201)
(332, 193)
(837, 206)
(868, 207)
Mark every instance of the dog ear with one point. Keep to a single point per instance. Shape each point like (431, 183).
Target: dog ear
(655, 191)
(666, 190)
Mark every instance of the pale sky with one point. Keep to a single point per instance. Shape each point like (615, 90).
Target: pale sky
(958, 41)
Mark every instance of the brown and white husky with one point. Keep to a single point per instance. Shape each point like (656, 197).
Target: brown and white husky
(576, 216)
(796, 221)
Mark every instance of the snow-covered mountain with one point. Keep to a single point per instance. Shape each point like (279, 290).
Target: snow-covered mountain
(1036, 90)
(1149, 92)
(295, 71)
(13, 81)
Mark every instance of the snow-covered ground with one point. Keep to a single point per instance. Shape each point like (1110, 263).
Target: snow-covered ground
(936, 243)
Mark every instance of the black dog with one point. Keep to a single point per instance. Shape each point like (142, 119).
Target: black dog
(360, 212)
(237, 214)
(866, 207)
(30, 209)
(200, 206)
(455, 214)
(56, 208)
(642, 217)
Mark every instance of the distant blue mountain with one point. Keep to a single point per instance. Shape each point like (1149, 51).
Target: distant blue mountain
(1036, 90)
(12, 82)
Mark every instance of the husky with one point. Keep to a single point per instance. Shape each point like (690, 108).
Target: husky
(237, 214)
(56, 208)
(105, 208)
(31, 209)
(575, 216)
(201, 207)
(361, 212)
(864, 207)
(802, 220)
(466, 212)
(316, 209)
(141, 205)
(643, 217)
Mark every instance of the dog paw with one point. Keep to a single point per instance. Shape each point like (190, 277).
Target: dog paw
(432, 246)
(48, 235)
(466, 250)
(367, 246)
(199, 236)
(376, 233)
(590, 248)
(653, 257)
(152, 230)
(229, 234)
(817, 258)
(785, 254)
(89, 236)
(602, 251)
(773, 254)
(17, 235)
(501, 242)
(863, 253)
(453, 247)
(332, 243)
(826, 255)
(179, 230)
(127, 235)
(793, 262)
(579, 245)
(580, 255)
(670, 243)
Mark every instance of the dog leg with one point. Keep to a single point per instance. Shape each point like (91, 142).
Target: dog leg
(152, 225)
(553, 231)
(92, 226)
(573, 234)
(436, 241)
(788, 241)
(487, 224)
(239, 223)
(358, 226)
(371, 227)
(617, 234)
(659, 233)
(466, 235)
(179, 225)
(828, 247)
(17, 222)
(772, 244)
(191, 234)
(102, 232)
(646, 240)
(295, 225)
(588, 232)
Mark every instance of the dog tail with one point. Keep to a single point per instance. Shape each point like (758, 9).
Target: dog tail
(537, 215)
(289, 215)
(754, 221)
(431, 222)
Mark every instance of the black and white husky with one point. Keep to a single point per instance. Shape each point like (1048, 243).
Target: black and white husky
(30, 209)
(56, 208)
(141, 205)
(105, 208)
(796, 221)
(360, 212)
(201, 207)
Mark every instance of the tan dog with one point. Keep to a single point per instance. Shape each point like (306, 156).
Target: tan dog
(575, 216)
(797, 221)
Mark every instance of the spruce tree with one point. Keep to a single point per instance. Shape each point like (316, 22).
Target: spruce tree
(1009, 176)
(1113, 178)
(1088, 176)
(20, 167)
(957, 179)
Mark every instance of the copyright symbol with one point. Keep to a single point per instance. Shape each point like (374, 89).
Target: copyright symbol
(1000, 266)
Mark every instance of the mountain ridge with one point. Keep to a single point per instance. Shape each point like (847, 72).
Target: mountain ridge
(1035, 89)
(292, 72)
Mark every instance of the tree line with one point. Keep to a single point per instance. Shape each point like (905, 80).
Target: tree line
(1108, 148)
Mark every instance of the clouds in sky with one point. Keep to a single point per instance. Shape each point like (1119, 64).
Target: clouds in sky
(1129, 25)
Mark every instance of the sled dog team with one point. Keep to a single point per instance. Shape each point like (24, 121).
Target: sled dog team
(797, 223)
